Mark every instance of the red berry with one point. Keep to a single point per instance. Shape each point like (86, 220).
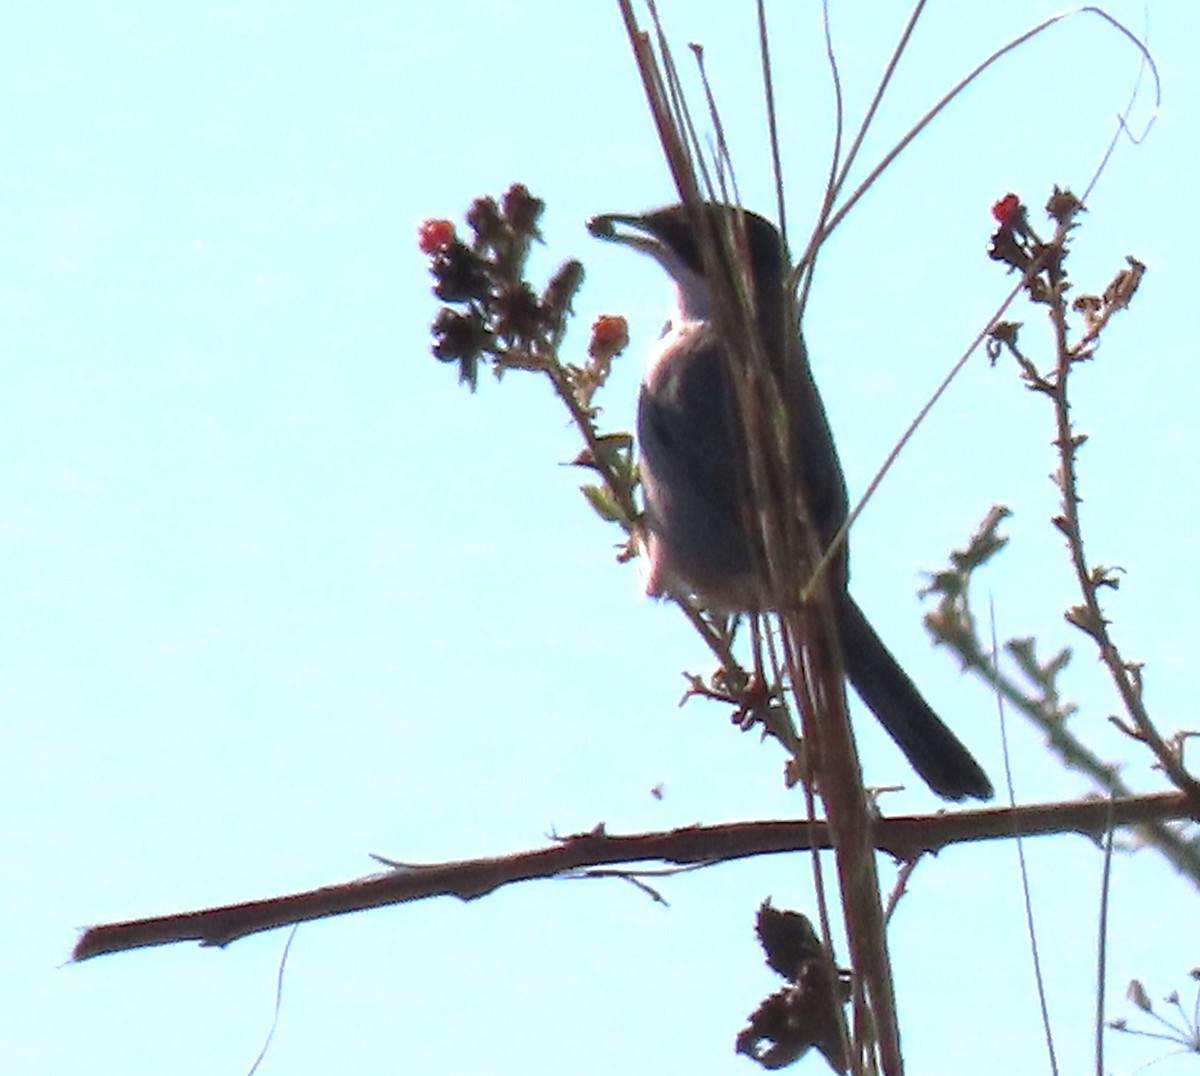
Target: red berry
(434, 234)
(610, 336)
(1004, 209)
(609, 330)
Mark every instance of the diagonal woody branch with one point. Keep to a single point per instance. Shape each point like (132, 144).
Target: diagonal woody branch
(904, 837)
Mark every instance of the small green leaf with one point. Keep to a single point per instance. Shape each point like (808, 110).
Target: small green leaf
(602, 503)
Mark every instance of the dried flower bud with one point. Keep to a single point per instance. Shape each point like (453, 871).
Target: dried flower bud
(459, 336)
(804, 1013)
(562, 288)
(459, 274)
(485, 222)
(1062, 205)
(521, 209)
(518, 312)
(1004, 247)
(1136, 993)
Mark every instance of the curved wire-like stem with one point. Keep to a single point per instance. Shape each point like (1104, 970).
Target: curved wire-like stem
(979, 69)
(764, 51)
(840, 170)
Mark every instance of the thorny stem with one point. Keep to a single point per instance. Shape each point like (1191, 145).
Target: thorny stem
(1094, 622)
(1176, 849)
(905, 838)
(583, 422)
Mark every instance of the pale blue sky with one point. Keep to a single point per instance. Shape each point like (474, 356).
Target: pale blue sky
(277, 593)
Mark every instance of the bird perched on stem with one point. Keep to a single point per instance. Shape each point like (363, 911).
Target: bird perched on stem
(701, 480)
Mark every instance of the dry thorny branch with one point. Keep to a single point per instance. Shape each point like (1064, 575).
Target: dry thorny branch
(494, 316)
(585, 855)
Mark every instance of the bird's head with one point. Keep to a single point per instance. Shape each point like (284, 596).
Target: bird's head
(692, 242)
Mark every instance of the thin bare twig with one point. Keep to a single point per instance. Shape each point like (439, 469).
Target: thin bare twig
(1102, 948)
(764, 48)
(1026, 893)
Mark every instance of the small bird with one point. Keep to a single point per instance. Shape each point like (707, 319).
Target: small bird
(695, 474)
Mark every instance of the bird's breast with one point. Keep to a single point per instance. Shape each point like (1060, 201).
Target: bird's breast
(692, 462)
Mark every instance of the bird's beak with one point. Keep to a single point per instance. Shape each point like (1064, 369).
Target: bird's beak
(605, 226)
(646, 234)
